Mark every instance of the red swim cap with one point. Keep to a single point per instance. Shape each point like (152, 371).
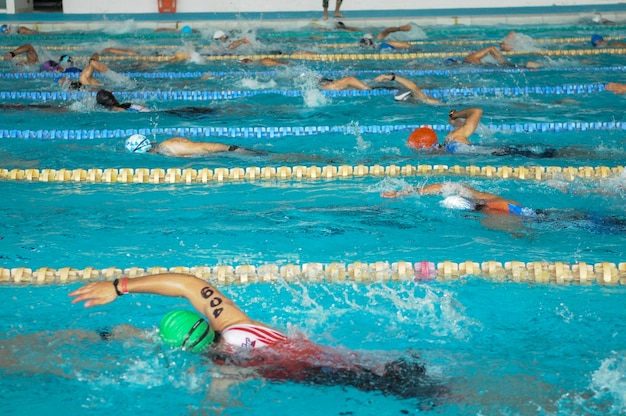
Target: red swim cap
(423, 137)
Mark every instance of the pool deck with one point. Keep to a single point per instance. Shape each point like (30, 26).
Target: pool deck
(518, 16)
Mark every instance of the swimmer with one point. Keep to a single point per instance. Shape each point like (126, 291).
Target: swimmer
(182, 147)
(414, 92)
(476, 58)
(464, 197)
(229, 336)
(505, 214)
(106, 99)
(185, 30)
(598, 41)
(21, 30)
(465, 123)
(367, 41)
(263, 61)
(86, 77)
(221, 36)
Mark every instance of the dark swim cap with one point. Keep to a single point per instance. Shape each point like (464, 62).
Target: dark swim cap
(187, 330)
(107, 99)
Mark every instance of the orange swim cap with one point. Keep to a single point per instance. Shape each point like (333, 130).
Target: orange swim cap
(423, 137)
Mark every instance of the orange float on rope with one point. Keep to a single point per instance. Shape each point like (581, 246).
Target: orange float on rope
(423, 137)
(167, 6)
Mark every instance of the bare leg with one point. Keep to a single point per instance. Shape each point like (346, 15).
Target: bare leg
(337, 7)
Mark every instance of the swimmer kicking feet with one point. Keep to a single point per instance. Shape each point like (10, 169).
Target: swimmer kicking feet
(182, 147)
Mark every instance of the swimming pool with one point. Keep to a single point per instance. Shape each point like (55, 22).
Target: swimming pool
(512, 315)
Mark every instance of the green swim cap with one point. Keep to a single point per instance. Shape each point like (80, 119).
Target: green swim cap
(187, 330)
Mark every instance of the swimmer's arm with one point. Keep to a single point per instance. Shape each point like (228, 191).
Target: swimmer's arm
(118, 51)
(419, 94)
(238, 43)
(472, 118)
(422, 190)
(208, 300)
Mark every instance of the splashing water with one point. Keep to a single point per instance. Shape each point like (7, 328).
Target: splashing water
(361, 144)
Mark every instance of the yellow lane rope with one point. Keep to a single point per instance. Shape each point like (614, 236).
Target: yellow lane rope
(331, 57)
(255, 173)
(473, 42)
(542, 272)
(353, 44)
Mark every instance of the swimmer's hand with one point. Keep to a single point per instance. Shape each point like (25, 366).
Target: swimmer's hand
(98, 293)
(8, 56)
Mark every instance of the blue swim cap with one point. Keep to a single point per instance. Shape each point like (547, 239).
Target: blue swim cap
(186, 30)
(4, 28)
(450, 61)
(138, 143)
(595, 39)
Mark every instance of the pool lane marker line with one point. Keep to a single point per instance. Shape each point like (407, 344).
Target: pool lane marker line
(584, 39)
(184, 95)
(540, 272)
(280, 132)
(334, 57)
(255, 173)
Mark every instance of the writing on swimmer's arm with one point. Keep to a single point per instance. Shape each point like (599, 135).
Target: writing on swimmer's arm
(215, 301)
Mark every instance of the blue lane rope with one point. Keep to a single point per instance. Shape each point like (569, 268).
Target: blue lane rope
(405, 72)
(279, 132)
(228, 95)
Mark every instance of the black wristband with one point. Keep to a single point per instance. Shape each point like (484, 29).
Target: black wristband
(12, 54)
(115, 283)
(393, 76)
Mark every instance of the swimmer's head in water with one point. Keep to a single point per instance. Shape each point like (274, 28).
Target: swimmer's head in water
(450, 61)
(457, 202)
(596, 39)
(219, 35)
(6, 29)
(138, 143)
(186, 330)
(107, 99)
(186, 30)
(50, 66)
(422, 138)
(367, 41)
(246, 61)
(66, 59)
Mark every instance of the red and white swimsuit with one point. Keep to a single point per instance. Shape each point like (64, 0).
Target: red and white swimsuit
(251, 336)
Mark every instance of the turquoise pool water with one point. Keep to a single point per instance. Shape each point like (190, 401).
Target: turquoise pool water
(498, 347)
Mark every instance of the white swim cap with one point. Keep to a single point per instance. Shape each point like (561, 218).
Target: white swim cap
(457, 202)
(218, 34)
(138, 143)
